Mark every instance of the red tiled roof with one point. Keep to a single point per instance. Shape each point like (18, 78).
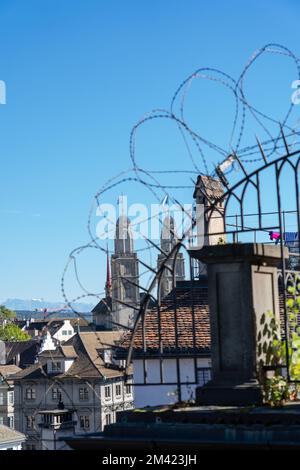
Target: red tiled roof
(186, 302)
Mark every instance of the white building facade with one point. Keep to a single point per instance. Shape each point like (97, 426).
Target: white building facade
(160, 394)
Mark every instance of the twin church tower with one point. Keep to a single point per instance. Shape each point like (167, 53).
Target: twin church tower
(119, 307)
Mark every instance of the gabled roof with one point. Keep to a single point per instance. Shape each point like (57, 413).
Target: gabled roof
(209, 186)
(104, 306)
(10, 436)
(62, 351)
(85, 349)
(27, 350)
(7, 370)
(78, 321)
(35, 371)
(54, 325)
(95, 342)
(37, 325)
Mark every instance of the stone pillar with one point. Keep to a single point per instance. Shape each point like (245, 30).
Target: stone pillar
(242, 289)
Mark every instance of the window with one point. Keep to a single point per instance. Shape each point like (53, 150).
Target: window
(30, 394)
(83, 393)
(107, 392)
(108, 419)
(56, 393)
(84, 422)
(1, 420)
(10, 422)
(29, 422)
(10, 398)
(128, 389)
(64, 332)
(56, 366)
(70, 332)
(107, 356)
(118, 390)
(203, 375)
(1, 398)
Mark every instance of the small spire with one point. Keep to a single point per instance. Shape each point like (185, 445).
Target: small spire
(108, 279)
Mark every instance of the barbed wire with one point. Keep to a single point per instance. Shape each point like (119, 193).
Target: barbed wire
(202, 154)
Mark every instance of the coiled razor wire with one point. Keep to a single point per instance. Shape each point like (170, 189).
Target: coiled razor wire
(202, 154)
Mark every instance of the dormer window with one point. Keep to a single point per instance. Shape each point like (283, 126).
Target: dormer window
(107, 356)
(56, 366)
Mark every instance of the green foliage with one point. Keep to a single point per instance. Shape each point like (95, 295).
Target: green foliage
(276, 390)
(8, 330)
(11, 332)
(6, 313)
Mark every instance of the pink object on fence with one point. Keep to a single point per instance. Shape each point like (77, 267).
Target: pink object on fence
(274, 236)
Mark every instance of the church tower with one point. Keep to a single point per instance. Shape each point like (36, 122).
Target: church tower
(125, 276)
(168, 239)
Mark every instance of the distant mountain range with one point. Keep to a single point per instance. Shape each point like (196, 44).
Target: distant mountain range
(40, 304)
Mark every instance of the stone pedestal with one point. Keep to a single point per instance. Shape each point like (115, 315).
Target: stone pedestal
(242, 289)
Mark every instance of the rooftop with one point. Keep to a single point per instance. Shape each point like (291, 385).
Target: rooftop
(7, 370)
(84, 349)
(187, 307)
(9, 436)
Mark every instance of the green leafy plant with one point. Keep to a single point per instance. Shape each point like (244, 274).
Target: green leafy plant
(276, 388)
(8, 330)
(11, 332)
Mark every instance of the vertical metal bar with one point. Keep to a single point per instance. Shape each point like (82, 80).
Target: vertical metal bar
(258, 200)
(176, 327)
(193, 319)
(236, 227)
(298, 211)
(298, 228)
(242, 214)
(160, 347)
(144, 348)
(286, 326)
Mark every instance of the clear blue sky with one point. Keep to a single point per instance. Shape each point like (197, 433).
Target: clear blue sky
(79, 74)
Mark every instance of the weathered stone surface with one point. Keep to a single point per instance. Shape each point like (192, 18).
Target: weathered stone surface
(242, 290)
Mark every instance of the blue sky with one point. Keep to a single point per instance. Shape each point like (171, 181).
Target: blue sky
(79, 75)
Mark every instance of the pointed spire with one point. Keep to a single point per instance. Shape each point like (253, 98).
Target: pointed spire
(168, 236)
(123, 238)
(108, 278)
